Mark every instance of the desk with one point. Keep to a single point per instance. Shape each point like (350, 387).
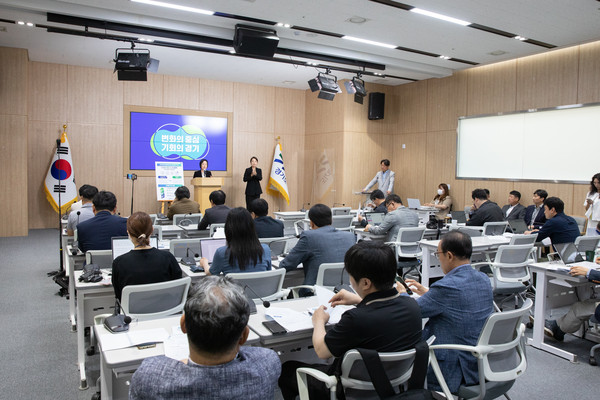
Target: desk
(366, 235)
(172, 231)
(72, 261)
(92, 299)
(553, 289)
(431, 267)
(289, 218)
(117, 366)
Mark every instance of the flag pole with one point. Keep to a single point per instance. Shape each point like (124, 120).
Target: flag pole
(277, 140)
(60, 246)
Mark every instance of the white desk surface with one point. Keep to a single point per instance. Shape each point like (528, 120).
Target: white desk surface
(478, 241)
(289, 214)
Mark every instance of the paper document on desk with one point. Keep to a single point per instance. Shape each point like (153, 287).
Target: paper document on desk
(323, 297)
(129, 339)
(291, 320)
(176, 346)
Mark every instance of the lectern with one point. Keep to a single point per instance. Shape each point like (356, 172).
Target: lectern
(202, 189)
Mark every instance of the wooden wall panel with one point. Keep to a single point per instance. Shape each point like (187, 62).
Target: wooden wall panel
(149, 93)
(289, 111)
(13, 156)
(47, 92)
(13, 81)
(181, 92)
(409, 165)
(323, 116)
(253, 108)
(94, 96)
(446, 101)
(588, 87)
(548, 79)
(492, 88)
(413, 107)
(215, 96)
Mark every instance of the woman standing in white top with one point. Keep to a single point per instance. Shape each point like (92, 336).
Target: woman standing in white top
(592, 206)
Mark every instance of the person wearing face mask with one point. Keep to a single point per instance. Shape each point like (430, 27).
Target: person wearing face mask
(442, 201)
(253, 176)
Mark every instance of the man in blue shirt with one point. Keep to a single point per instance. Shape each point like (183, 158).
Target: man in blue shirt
(457, 307)
(96, 233)
(560, 228)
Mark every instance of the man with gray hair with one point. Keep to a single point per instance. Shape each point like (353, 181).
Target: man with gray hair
(216, 322)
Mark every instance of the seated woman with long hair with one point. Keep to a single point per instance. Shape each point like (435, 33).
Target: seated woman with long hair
(244, 252)
(144, 264)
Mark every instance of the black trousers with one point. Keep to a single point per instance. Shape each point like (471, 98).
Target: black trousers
(250, 198)
(289, 384)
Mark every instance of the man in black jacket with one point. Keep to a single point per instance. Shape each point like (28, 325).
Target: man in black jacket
(217, 214)
(487, 211)
(265, 226)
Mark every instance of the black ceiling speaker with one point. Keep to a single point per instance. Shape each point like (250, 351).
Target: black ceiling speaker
(376, 105)
(254, 41)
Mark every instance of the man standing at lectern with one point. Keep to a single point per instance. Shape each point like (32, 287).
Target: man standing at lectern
(384, 178)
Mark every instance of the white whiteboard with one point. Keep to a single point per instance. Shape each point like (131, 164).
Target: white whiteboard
(550, 145)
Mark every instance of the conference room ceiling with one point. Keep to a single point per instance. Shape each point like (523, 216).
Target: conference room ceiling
(316, 26)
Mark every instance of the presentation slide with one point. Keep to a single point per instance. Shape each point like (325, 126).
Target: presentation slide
(172, 137)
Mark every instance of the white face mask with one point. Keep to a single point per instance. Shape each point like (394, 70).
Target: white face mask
(440, 192)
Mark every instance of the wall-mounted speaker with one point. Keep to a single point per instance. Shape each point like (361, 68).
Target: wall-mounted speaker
(376, 105)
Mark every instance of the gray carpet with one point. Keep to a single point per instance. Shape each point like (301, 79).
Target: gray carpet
(39, 353)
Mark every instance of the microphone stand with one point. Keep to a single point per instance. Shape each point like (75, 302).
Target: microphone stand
(133, 177)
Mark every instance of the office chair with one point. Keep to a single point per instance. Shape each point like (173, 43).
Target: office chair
(510, 271)
(179, 247)
(155, 300)
(153, 218)
(471, 231)
(157, 230)
(187, 219)
(500, 353)
(581, 223)
(102, 258)
(266, 284)
(355, 377)
(343, 222)
(526, 239)
(213, 228)
(340, 211)
(596, 346)
(494, 228)
(329, 276)
(408, 250)
(587, 243)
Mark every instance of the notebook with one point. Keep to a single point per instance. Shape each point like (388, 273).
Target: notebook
(122, 245)
(517, 226)
(374, 218)
(208, 248)
(459, 216)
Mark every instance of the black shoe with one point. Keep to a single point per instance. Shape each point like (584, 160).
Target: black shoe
(552, 329)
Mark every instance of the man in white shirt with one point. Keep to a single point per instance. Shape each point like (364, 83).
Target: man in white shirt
(86, 193)
(384, 178)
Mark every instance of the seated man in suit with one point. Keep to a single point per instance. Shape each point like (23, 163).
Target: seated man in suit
(384, 178)
(457, 307)
(378, 200)
(513, 210)
(534, 214)
(182, 203)
(579, 312)
(219, 366)
(397, 217)
(217, 214)
(382, 320)
(96, 233)
(266, 227)
(486, 210)
(85, 212)
(321, 244)
(559, 227)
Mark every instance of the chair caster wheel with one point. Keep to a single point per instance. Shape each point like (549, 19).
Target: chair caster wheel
(593, 360)
(90, 351)
(96, 396)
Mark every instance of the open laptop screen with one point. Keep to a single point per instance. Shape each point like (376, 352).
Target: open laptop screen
(122, 245)
(210, 246)
(517, 225)
(459, 216)
(568, 252)
(414, 203)
(374, 218)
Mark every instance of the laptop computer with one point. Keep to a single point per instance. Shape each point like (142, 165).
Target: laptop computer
(517, 226)
(374, 218)
(568, 253)
(459, 216)
(415, 204)
(208, 248)
(122, 245)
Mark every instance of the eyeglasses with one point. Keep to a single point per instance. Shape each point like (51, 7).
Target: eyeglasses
(437, 254)
(389, 204)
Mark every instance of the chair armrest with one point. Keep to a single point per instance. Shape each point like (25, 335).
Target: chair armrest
(302, 374)
(296, 289)
(282, 294)
(475, 350)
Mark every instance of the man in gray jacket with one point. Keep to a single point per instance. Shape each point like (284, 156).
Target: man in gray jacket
(397, 217)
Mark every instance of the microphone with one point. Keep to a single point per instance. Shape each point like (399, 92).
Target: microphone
(75, 244)
(265, 303)
(403, 282)
(304, 209)
(187, 260)
(117, 322)
(342, 285)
